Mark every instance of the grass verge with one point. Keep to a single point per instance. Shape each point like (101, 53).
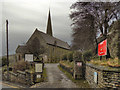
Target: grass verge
(67, 63)
(80, 83)
(45, 74)
(108, 63)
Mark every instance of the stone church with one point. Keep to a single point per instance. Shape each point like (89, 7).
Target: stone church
(53, 47)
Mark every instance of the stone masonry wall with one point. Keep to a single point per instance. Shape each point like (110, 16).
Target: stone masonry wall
(106, 78)
(20, 77)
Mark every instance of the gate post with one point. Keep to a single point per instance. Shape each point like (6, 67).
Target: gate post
(78, 69)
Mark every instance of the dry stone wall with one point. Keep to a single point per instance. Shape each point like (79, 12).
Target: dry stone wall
(106, 77)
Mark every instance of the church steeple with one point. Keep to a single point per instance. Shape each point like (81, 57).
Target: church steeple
(49, 25)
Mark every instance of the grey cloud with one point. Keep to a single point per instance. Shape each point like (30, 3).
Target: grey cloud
(24, 18)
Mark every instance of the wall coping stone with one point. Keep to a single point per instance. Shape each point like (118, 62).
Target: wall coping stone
(13, 74)
(21, 72)
(103, 68)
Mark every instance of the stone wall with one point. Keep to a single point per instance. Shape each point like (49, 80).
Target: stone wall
(106, 77)
(68, 69)
(20, 77)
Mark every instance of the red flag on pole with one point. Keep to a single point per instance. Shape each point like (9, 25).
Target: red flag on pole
(102, 48)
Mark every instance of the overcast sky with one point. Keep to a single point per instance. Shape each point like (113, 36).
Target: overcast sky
(25, 16)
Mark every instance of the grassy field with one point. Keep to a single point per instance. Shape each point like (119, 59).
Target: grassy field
(12, 59)
(80, 83)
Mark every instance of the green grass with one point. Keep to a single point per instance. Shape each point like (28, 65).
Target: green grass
(4, 68)
(80, 83)
(45, 74)
(109, 62)
(67, 63)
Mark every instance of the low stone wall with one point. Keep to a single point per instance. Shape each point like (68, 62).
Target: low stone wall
(106, 77)
(20, 77)
(69, 70)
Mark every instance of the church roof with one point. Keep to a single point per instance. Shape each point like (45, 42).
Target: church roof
(21, 49)
(52, 40)
(48, 39)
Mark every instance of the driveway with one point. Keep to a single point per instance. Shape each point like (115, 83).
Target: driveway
(56, 79)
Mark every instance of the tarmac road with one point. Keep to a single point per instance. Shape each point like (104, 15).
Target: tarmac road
(56, 79)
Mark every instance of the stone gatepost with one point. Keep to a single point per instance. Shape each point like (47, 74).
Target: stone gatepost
(78, 69)
(28, 77)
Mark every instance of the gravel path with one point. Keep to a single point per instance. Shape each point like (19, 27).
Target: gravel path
(56, 79)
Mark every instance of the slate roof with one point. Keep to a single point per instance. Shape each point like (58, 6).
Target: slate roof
(52, 40)
(21, 49)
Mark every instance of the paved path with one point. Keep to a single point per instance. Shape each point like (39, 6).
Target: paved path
(56, 79)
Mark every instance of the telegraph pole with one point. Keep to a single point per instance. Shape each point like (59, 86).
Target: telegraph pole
(7, 50)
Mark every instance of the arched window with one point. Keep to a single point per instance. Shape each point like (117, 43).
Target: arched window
(35, 47)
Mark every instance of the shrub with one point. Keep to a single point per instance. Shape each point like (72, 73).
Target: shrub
(77, 56)
(70, 56)
(4, 61)
(21, 65)
(87, 55)
(64, 57)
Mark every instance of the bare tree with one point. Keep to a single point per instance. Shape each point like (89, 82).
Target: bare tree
(91, 19)
(84, 34)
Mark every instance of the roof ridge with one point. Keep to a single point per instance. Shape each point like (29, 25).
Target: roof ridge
(51, 36)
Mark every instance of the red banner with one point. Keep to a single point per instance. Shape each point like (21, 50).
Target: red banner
(102, 48)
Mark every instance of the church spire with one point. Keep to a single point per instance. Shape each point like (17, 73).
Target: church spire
(49, 25)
